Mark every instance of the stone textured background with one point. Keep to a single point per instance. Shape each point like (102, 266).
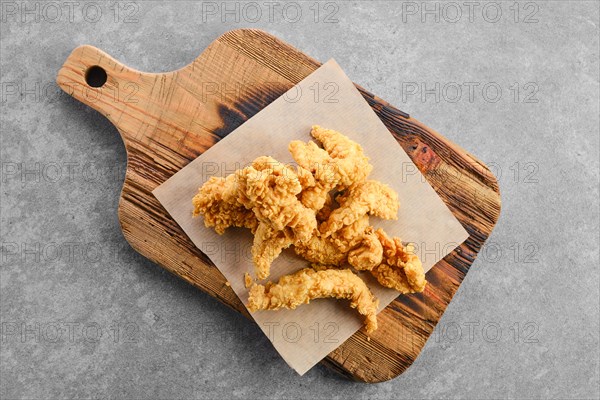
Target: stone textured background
(525, 321)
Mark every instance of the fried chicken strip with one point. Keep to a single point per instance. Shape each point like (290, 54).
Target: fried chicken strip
(283, 206)
(320, 250)
(307, 284)
(370, 197)
(268, 245)
(322, 167)
(270, 188)
(262, 197)
(333, 250)
(327, 208)
(400, 269)
(352, 164)
(368, 254)
(341, 164)
(217, 202)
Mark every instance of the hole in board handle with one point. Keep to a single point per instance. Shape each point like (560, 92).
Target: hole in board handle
(95, 76)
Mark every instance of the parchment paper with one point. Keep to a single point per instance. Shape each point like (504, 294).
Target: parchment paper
(328, 98)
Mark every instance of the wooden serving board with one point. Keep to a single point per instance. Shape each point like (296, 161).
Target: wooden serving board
(167, 120)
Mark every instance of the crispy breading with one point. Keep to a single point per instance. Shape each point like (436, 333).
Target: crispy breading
(322, 267)
(400, 269)
(369, 197)
(368, 254)
(320, 250)
(268, 244)
(270, 188)
(217, 202)
(307, 284)
(327, 208)
(323, 168)
(266, 193)
(247, 280)
(352, 165)
(340, 164)
(333, 250)
(351, 235)
(283, 206)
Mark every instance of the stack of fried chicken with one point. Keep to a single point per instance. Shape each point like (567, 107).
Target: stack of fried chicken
(321, 207)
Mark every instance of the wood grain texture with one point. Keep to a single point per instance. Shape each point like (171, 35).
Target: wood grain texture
(166, 120)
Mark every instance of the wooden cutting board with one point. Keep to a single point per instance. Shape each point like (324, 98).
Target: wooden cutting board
(166, 120)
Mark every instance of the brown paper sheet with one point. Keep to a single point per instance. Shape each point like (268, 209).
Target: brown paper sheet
(328, 98)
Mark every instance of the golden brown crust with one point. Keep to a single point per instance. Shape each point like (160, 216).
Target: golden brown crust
(340, 164)
(334, 250)
(307, 284)
(368, 254)
(327, 208)
(217, 201)
(284, 205)
(351, 164)
(400, 269)
(247, 280)
(262, 197)
(369, 197)
(270, 188)
(319, 163)
(268, 244)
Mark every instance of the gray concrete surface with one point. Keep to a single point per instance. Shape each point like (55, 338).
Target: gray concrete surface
(83, 315)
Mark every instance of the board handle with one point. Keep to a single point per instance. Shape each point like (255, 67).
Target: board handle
(101, 82)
